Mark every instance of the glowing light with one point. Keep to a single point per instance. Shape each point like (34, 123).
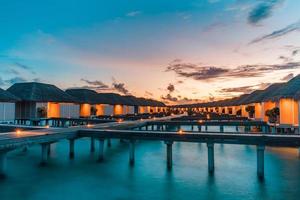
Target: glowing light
(180, 131)
(200, 121)
(18, 132)
(47, 126)
(90, 125)
(120, 120)
(207, 116)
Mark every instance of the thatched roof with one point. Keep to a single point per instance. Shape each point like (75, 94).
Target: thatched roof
(291, 89)
(40, 92)
(113, 99)
(6, 96)
(87, 96)
(92, 97)
(132, 100)
(274, 92)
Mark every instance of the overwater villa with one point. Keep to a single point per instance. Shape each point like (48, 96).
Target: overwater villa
(278, 104)
(7, 106)
(111, 104)
(91, 103)
(39, 100)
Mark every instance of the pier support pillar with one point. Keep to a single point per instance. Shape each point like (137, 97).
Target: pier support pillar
(260, 161)
(109, 142)
(101, 150)
(44, 158)
(72, 147)
(131, 152)
(221, 129)
(49, 150)
(210, 156)
(199, 128)
(169, 154)
(2, 163)
(92, 144)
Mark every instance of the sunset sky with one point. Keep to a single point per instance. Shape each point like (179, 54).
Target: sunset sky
(176, 51)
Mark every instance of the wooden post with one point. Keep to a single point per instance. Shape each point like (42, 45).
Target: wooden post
(101, 150)
(199, 128)
(44, 156)
(108, 142)
(72, 147)
(260, 161)
(92, 144)
(221, 129)
(2, 163)
(49, 150)
(169, 154)
(210, 156)
(131, 152)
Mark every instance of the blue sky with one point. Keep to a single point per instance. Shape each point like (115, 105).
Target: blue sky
(177, 51)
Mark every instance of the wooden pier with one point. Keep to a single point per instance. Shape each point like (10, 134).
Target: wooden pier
(119, 130)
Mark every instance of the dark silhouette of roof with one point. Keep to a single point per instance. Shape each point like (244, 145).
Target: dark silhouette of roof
(6, 96)
(40, 92)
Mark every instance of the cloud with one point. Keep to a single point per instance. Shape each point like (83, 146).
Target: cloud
(24, 67)
(120, 87)
(169, 97)
(262, 11)
(243, 89)
(295, 52)
(2, 82)
(99, 85)
(14, 80)
(133, 13)
(278, 33)
(207, 73)
(288, 77)
(37, 80)
(171, 88)
(194, 71)
(13, 71)
(149, 94)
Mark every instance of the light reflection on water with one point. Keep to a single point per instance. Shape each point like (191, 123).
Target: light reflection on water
(84, 178)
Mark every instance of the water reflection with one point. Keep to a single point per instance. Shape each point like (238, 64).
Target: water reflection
(84, 178)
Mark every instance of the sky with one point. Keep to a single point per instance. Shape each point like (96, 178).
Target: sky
(175, 51)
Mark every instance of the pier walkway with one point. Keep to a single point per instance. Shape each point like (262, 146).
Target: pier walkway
(120, 130)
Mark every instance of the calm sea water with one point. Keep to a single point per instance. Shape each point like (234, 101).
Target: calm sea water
(84, 178)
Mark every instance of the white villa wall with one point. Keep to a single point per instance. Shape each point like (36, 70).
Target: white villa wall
(7, 112)
(69, 110)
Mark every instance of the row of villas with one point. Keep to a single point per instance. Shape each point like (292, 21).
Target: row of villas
(39, 100)
(279, 104)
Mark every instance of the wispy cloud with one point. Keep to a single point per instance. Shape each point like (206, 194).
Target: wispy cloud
(14, 80)
(207, 73)
(278, 33)
(288, 77)
(169, 98)
(171, 88)
(189, 70)
(120, 87)
(24, 67)
(262, 11)
(96, 85)
(232, 91)
(133, 13)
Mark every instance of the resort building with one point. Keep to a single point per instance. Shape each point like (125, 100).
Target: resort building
(7, 106)
(91, 103)
(39, 100)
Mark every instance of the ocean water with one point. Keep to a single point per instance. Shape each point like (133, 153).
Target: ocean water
(84, 178)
